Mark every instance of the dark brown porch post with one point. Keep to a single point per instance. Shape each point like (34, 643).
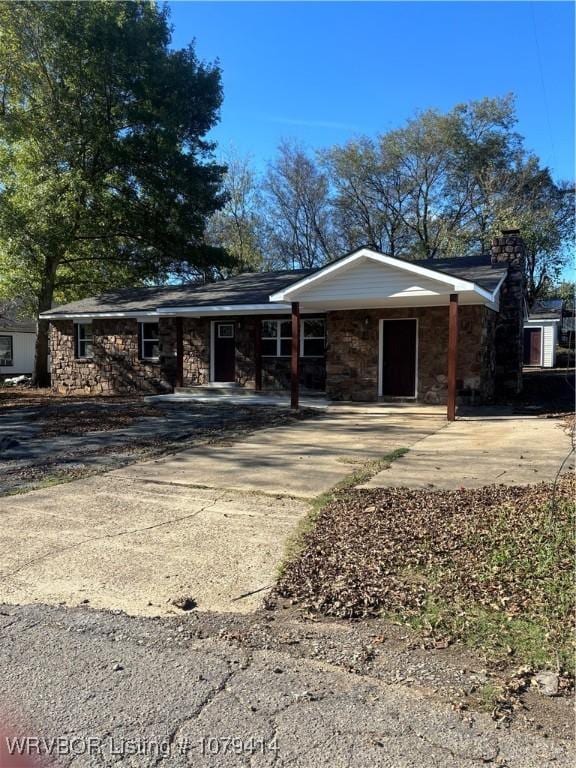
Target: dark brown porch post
(179, 353)
(295, 368)
(452, 356)
(258, 354)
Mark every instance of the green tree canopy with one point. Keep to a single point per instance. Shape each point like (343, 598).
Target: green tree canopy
(106, 175)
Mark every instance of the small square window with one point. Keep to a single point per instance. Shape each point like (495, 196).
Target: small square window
(226, 331)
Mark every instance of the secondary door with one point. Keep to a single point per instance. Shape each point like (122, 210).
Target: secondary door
(398, 358)
(224, 352)
(532, 346)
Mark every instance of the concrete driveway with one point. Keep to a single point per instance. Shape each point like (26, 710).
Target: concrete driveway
(208, 524)
(472, 452)
(301, 460)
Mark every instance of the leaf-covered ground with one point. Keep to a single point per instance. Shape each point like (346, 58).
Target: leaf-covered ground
(490, 567)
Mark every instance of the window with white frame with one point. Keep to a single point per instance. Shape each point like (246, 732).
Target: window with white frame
(6, 351)
(225, 330)
(83, 340)
(313, 337)
(150, 341)
(277, 337)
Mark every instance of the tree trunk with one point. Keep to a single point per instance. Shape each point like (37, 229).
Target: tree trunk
(41, 375)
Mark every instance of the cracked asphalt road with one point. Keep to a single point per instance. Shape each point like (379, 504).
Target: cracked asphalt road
(119, 680)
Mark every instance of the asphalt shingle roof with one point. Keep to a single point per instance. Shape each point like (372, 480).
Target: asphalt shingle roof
(253, 288)
(546, 308)
(476, 269)
(248, 288)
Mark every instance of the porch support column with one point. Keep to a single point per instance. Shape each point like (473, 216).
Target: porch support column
(295, 367)
(258, 354)
(452, 356)
(179, 353)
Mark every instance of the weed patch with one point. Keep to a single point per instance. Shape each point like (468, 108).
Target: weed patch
(491, 568)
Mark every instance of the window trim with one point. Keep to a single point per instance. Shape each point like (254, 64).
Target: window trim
(220, 325)
(77, 340)
(144, 339)
(9, 362)
(279, 339)
(313, 338)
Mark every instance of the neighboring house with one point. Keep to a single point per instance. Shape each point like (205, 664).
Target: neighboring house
(541, 331)
(362, 327)
(17, 342)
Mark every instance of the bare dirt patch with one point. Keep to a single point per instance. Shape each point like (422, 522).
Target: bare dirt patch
(88, 417)
(32, 397)
(76, 414)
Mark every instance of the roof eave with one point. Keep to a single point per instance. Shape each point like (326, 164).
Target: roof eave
(96, 315)
(226, 309)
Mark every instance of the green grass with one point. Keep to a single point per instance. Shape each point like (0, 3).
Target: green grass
(363, 472)
(536, 559)
(488, 696)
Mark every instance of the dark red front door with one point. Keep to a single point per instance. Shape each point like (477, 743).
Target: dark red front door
(398, 358)
(224, 352)
(532, 346)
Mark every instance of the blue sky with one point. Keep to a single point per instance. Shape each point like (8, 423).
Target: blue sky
(324, 72)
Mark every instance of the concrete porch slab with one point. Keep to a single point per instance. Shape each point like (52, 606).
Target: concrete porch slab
(472, 452)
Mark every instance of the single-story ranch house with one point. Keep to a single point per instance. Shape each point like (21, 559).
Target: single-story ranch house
(364, 327)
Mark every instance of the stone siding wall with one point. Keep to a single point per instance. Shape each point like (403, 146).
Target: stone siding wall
(349, 371)
(353, 352)
(509, 333)
(196, 351)
(115, 366)
(245, 351)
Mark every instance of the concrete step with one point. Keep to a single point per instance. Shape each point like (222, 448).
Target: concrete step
(214, 390)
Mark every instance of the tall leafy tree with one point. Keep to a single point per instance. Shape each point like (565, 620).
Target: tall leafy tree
(106, 175)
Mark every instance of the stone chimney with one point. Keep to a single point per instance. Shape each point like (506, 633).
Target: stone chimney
(509, 333)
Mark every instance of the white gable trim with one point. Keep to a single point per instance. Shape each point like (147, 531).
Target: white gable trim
(291, 292)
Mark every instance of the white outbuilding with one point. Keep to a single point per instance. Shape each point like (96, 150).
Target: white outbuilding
(541, 331)
(17, 342)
